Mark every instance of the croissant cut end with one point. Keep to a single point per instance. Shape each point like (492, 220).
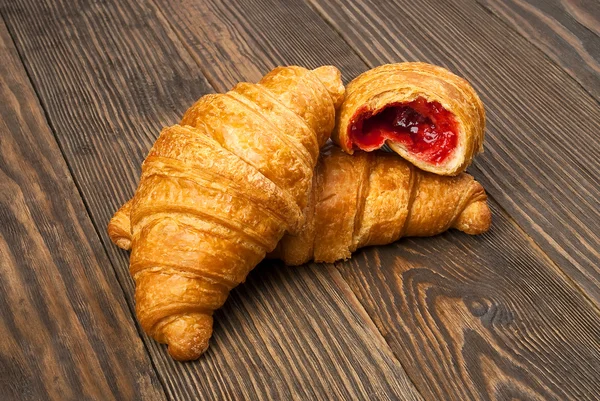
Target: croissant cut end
(453, 164)
(425, 113)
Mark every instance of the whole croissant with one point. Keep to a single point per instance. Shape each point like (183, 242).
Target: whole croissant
(217, 193)
(375, 199)
(370, 199)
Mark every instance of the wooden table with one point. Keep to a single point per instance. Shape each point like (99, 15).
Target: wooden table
(86, 86)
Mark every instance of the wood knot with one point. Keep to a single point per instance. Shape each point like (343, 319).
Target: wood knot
(477, 306)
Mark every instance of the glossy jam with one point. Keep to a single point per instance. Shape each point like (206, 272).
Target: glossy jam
(424, 128)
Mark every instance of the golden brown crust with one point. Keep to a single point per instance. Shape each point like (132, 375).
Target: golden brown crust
(295, 249)
(375, 199)
(398, 83)
(217, 194)
(338, 178)
(313, 95)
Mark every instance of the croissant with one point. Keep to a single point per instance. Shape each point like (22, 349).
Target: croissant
(375, 199)
(371, 199)
(425, 113)
(217, 193)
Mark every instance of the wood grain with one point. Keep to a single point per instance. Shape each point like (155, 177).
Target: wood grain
(528, 351)
(448, 350)
(110, 74)
(480, 318)
(299, 347)
(542, 154)
(66, 330)
(568, 31)
(253, 37)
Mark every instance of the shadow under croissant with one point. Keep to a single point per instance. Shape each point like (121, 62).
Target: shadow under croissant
(265, 306)
(269, 301)
(456, 194)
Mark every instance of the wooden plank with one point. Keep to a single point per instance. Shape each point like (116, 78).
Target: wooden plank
(66, 331)
(568, 31)
(542, 154)
(110, 74)
(469, 317)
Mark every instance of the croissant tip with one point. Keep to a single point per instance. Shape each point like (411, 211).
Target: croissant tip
(475, 219)
(118, 235)
(123, 243)
(331, 78)
(186, 354)
(188, 336)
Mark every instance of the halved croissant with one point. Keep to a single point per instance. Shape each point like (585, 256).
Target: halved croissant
(426, 114)
(217, 193)
(370, 199)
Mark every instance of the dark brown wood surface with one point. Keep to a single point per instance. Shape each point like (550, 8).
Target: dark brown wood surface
(490, 249)
(568, 31)
(512, 314)
(542, 150)
(65, 327)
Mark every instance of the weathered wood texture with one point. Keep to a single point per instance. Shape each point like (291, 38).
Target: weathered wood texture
(479, 354)
(317, 346)
(66, 330)
(568, 31)
(488, 317)
(110, 74)
(480, 318)
(542, 151)
(253, 37)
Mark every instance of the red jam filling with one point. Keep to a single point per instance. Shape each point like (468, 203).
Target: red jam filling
(424, 128)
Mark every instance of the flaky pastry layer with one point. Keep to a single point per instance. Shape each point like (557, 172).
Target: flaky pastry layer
(374, 199)
(217, 192)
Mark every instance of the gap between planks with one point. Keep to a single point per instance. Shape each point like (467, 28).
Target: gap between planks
(345, 289)
(308, 58)
(333, 272)
(19, 61)
(512, 220)
(534, 44)
(546, 19)
(337, 276)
